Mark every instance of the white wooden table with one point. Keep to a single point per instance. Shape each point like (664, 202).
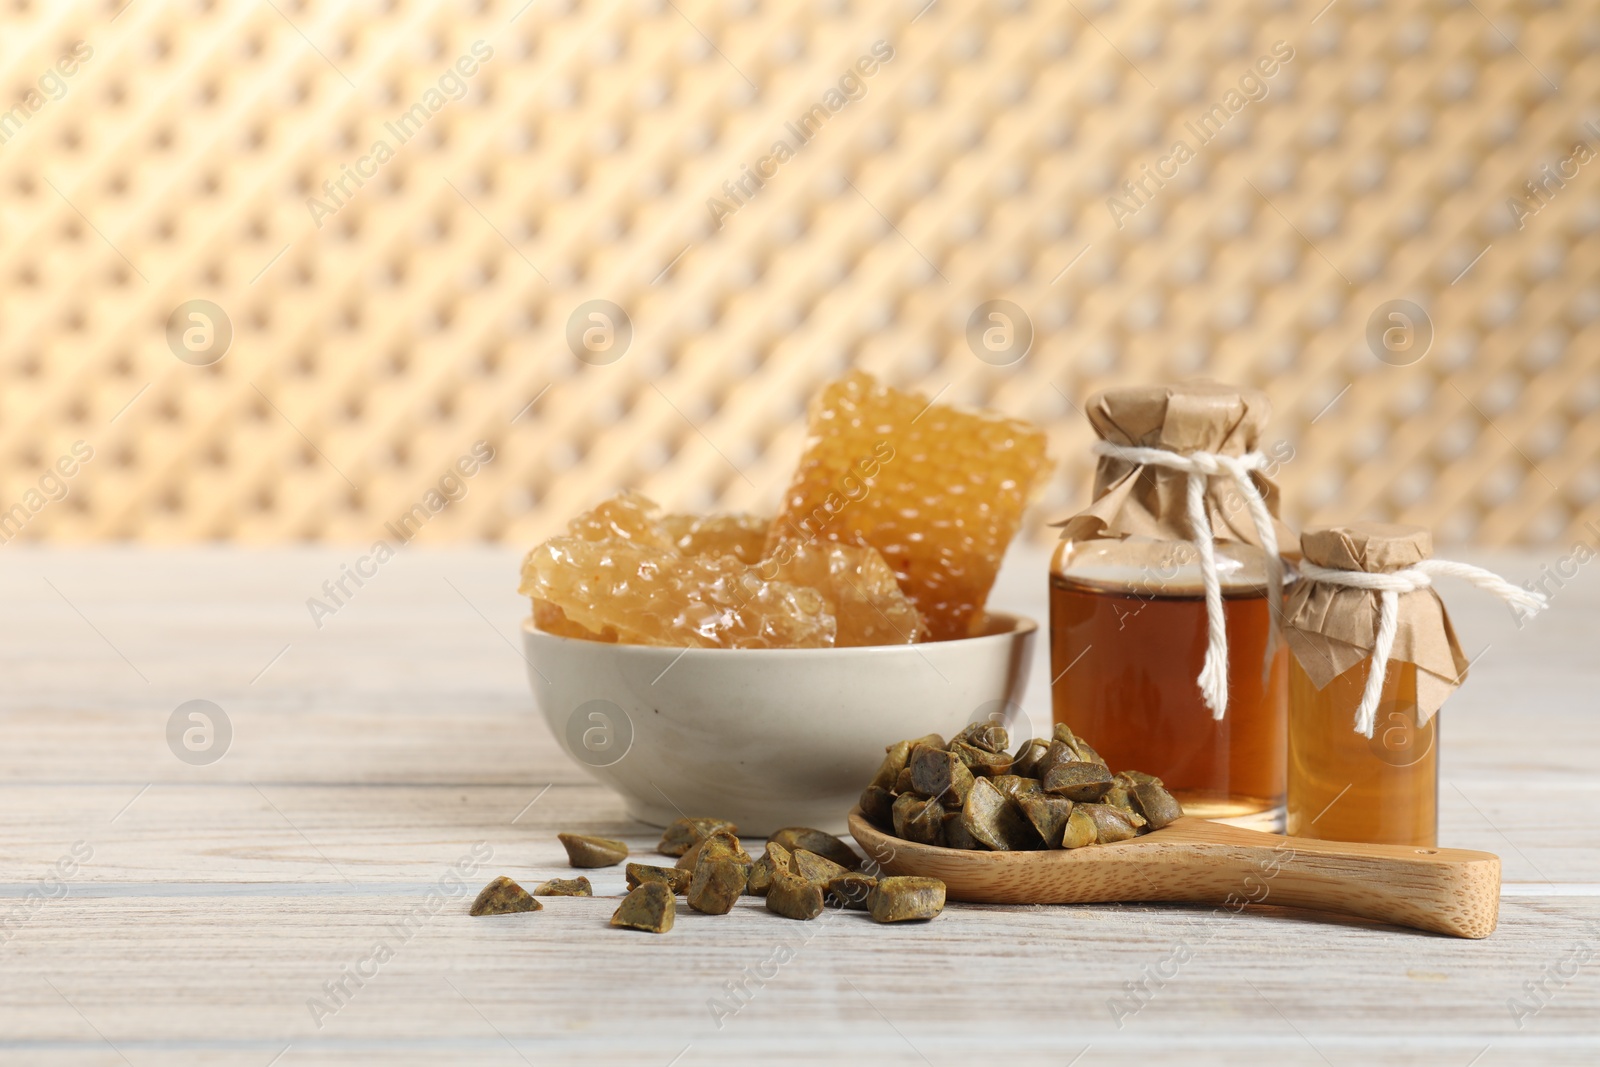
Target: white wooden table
(154, 911)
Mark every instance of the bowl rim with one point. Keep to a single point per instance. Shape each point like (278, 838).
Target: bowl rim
(1018, 626)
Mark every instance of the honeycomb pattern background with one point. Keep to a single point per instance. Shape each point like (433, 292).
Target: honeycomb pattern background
(431, 309)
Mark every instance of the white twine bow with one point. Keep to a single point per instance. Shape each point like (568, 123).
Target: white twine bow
(1389, 586)
(1201, 466)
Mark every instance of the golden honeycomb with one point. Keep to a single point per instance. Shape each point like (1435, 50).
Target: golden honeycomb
(862, 590)
(551, 619)
(938, 491)
(625, 572)
(628, 516)
(743, 537)
(653, 596)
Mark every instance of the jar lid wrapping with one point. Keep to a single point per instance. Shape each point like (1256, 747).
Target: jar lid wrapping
(1332, 628)
(1374, 547)
(1201, 416)
(1133, 500)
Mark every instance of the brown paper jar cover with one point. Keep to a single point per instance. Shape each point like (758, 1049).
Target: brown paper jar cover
(1136, 501)
(1331, 628)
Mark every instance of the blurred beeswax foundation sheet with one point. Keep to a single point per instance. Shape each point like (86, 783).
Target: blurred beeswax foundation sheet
(450, 489)
(797, 133)
(1388, 227)
(52, 487)
(1253, 86)
(397, 132)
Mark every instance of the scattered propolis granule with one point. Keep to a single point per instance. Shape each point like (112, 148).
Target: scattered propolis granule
(860, 588)
(656, 596)
(504, 896)
(938, 491)
(743, 537)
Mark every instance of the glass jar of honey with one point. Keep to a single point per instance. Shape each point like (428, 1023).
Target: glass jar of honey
(1164, 643)
(1126, 645)
(1373, 657)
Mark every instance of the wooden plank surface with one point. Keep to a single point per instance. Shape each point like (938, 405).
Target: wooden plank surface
(398, 744)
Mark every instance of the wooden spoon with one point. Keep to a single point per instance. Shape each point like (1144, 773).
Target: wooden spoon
(1446, 890)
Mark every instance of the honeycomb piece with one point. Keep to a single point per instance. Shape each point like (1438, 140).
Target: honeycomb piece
(655, 596)
(742, 536)
(938, 491)
(859, 587)
(628, 516)
(552, 620)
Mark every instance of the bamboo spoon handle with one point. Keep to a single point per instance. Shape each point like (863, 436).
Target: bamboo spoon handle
(1445, 890)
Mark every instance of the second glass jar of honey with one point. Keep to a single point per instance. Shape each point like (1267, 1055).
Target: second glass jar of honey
(1373, 657)
(1165, 596)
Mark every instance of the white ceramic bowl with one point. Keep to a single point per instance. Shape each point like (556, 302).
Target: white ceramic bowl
(764, 737)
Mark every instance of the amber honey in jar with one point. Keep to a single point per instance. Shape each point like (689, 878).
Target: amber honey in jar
(1182, 530)
(1127, 643)
(1363, 712)
(1345, 786)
